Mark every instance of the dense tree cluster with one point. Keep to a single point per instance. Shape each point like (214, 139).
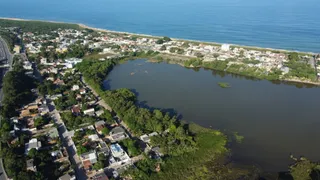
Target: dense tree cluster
(73, 122)
(131, 146)
(16, 89)
(163, 40)
(37, 26)
(10, 38)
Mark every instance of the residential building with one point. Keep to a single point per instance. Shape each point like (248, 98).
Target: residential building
(118, 134)
(43, 60)
(100, 176)
(118, 154)
(43, 109)
(89, 112)
(103, 148)
(88, 159)
(93, 137)
(33, 143)
(99, 113)
(17, 49)
(59, 82)
(99, 126)
(67, 177)
(31, 166)
(75, 87)
(83, 91)
(76, 110)
(225, 47)
(145, 138)
(27, 65)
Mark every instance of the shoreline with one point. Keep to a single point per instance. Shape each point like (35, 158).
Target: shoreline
(81, 25)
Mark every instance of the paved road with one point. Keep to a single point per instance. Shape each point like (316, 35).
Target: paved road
(5, 57)
(68, 143)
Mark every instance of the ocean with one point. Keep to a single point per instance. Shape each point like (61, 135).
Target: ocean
(283, 24)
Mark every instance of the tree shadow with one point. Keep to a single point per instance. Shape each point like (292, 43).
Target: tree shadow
(171, 111)
(135, 92)
(106, 84)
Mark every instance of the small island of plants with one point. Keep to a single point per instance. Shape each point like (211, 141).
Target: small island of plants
(224, 85)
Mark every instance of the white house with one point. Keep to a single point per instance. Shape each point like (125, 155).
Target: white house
(225, 47)
(33, 143)
(27, 65)
(75, 87)
(89, 112)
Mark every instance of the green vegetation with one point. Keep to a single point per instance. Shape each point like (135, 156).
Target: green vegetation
(197, 164)
(303, 169)
(238, 137)
(195, 62)
(176, 50)
(163, 40)
(10, 38)
(224, 85)
(131, 146)
(249, 61)
(102, 162)
(37, 26)
(74, 122)
(17, 90)
(301, 69)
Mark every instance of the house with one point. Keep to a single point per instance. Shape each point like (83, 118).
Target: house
(100, 176)
(93, 137)
(53, 70)
(67, 177)
(82, 91)
(43, 109)
(78, 97)
(89, 112)
(99, 113)
(99, 126)
(43, 60)
(56, 96)
(17, 49)
(118, 134)
(31, 110)
(119, 156)
(59, 82)
(33, 143)
(75, 87)
(76, 110)
(145, 138)
(88, 159)
(31, 166)
(156, 153)
(27, 65)
(225, 47)
(50, 79)
(103, 148)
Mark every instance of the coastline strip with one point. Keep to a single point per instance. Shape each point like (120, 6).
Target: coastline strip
(153, 36)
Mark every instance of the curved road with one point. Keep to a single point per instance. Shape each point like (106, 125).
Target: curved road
(5, 57)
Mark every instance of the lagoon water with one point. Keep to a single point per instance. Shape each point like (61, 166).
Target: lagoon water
(275, 119)
(287, 24)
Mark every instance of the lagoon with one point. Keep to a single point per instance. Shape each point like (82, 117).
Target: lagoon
(275, 119)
